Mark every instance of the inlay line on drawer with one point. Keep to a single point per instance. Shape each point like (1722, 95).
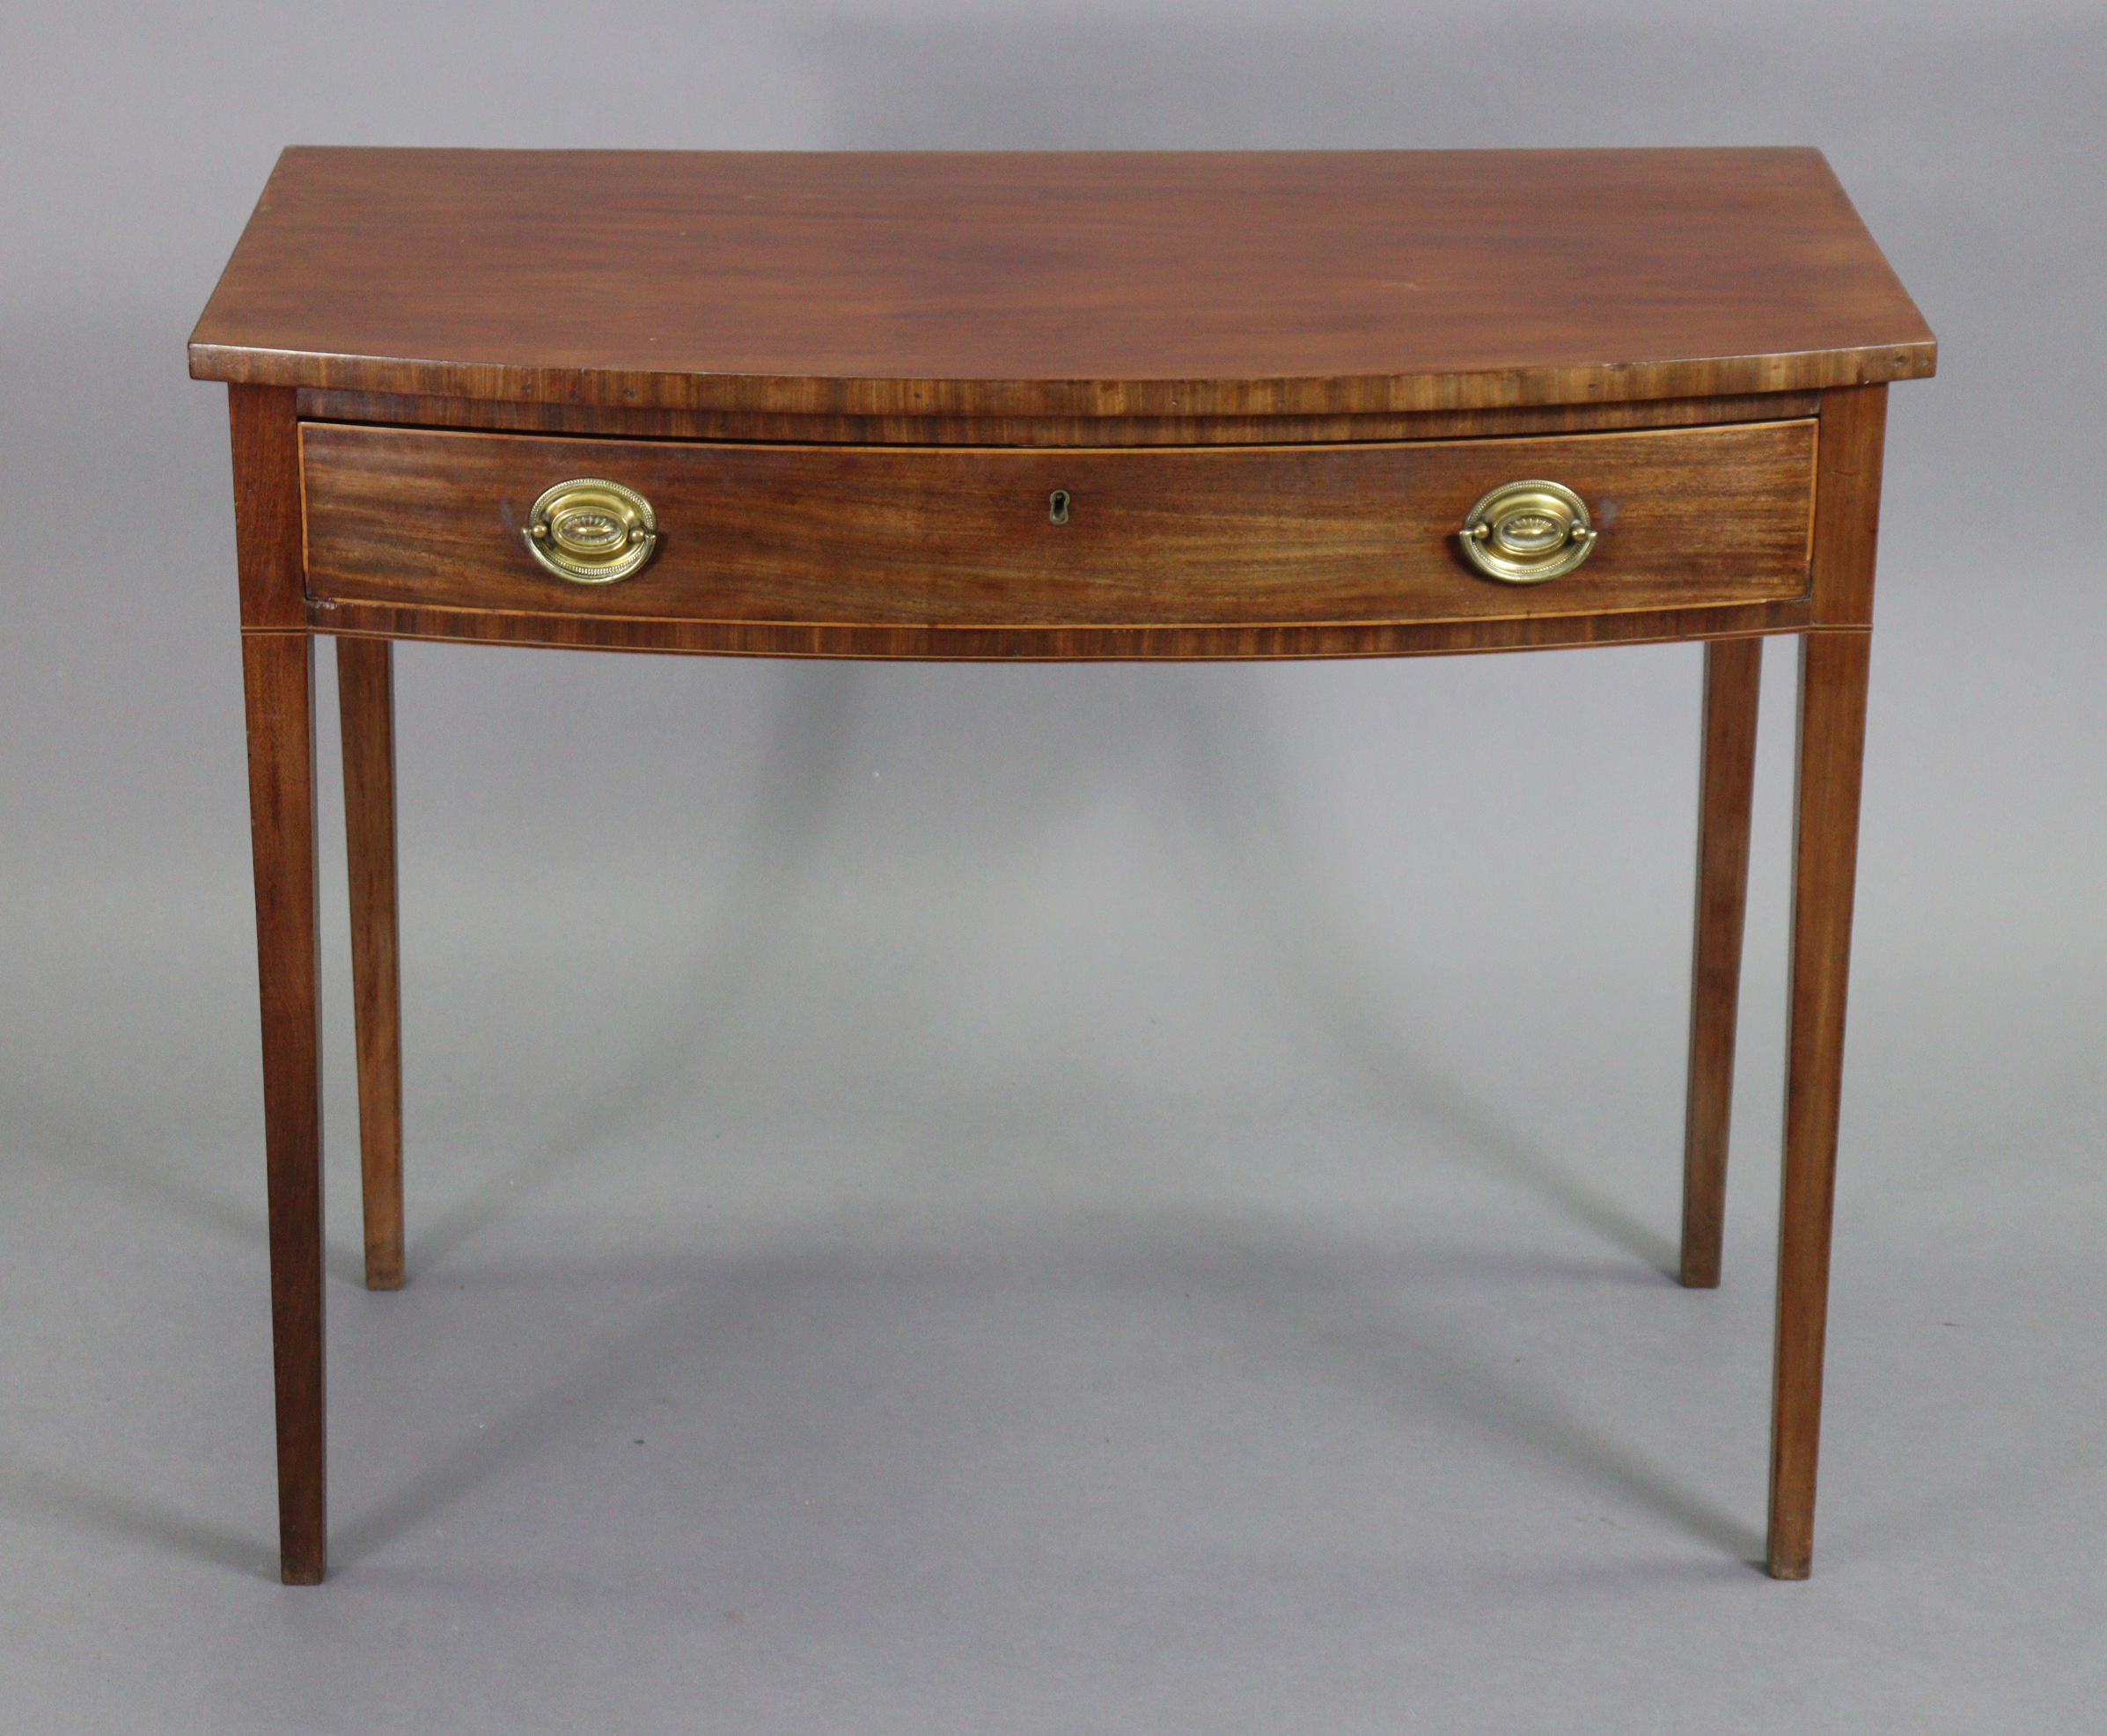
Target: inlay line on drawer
(1005, 536)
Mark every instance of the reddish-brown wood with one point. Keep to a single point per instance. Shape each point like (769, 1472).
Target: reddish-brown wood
(1832, 730)
(316, 405)
(366, 706)
(1727, 781)
(1517, 633)
(1064, 283)
(266, 436)
(278, 669)
(1847, 532)
(962, 537)
(874, 359)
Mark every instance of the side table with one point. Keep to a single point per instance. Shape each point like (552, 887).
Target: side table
(1154, 405)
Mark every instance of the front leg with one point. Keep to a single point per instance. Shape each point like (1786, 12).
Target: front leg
(1832, 734)
(278, 674)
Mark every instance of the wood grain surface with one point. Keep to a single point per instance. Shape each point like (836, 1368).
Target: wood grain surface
(271, 564)
(902, 536)
(772, 428)
(1833, 668)
(278, 669)
(1021, 644)
(365, 689)
(1058, 283)
(1726, 787)
(1854, 422)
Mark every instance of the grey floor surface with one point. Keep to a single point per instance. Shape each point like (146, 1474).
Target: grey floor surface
(1150, 1217)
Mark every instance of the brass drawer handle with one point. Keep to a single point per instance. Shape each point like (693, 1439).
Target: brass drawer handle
(1523, 533)
(591, 532)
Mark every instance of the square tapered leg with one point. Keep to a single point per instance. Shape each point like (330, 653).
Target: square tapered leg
(1832, 732)
(278, 669)
(366, 706)
(1727, 784)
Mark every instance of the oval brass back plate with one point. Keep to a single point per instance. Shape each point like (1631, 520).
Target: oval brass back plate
(1523, 533)
(592, 531)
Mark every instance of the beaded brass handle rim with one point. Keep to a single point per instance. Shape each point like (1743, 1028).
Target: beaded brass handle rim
(592, 531)
(1523, 533)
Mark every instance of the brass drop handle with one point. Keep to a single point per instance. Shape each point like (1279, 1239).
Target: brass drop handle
(591, 531)
(1523, 533)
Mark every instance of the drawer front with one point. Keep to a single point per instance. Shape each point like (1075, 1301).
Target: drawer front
(967, 536)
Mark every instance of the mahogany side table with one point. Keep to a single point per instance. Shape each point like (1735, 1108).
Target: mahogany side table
(1147, 404)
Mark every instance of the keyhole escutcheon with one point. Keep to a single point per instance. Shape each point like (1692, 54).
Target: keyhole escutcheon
(1057, 506)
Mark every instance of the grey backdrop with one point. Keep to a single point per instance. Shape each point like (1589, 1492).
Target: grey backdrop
(1051, 1199)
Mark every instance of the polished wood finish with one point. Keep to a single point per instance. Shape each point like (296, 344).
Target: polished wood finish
(278, 670)
(1015, 644)
(962, 537)
(1847, 524)
(1726, 787)
(1271, 383)
(763, 427)
(366, 705)
(265, 433)
(1832, 722)
(1833, 668)
(1150, 284)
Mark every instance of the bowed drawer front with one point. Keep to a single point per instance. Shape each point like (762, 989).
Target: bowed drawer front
(1004, 537)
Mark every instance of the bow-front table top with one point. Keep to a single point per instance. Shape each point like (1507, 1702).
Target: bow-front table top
(1102, 284)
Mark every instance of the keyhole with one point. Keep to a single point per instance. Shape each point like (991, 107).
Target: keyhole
(1057, 506)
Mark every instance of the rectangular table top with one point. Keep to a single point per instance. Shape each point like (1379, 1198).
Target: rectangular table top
(1148, 282)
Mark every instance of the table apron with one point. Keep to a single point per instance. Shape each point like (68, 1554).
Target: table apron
(1249, 551)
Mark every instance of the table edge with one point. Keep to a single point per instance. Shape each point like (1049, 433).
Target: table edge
(1705, 376)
